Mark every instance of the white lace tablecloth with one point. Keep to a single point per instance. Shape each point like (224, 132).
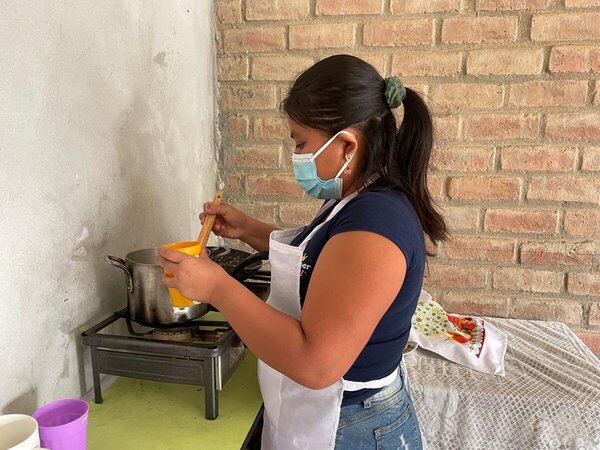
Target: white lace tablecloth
(549, 398)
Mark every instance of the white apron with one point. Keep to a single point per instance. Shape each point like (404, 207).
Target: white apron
(296, 417)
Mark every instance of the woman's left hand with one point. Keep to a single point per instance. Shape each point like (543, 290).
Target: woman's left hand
(196, 278)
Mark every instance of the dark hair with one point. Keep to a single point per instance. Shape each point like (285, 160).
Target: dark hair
(342, 91)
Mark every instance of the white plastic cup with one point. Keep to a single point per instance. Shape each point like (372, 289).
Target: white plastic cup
(19, 432)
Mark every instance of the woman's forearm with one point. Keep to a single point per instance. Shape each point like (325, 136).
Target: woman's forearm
(274, 337)
(257, 234)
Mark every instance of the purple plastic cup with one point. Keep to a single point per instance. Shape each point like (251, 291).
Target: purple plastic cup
(63, 424)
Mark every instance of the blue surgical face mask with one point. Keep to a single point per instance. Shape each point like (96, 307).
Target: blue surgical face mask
(305, 171)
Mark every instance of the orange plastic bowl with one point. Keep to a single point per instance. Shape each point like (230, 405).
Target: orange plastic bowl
(193, 248)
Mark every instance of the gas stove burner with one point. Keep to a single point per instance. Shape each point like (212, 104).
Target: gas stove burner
(205, 335)
(173, 334)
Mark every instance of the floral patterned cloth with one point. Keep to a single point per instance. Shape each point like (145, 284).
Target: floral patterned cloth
(467, 340)
(549, 397)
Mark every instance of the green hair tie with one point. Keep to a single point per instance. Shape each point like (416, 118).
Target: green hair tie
(395, 92)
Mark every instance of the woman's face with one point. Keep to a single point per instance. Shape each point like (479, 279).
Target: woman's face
(331, 160)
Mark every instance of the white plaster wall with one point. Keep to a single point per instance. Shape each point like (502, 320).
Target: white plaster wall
(107, 144)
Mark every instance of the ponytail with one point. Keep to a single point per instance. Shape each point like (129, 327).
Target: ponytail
(408, 160)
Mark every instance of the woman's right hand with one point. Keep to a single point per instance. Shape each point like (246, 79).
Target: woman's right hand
(229, 221)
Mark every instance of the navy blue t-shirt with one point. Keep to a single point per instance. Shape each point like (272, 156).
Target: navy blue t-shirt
(390, 214)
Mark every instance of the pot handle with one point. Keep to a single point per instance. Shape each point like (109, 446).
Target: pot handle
(238, 271)
(120, 263)
(215, 253)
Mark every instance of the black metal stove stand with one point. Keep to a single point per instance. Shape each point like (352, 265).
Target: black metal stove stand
(139, 355)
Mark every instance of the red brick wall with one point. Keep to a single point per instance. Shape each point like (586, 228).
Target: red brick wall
(513, 85)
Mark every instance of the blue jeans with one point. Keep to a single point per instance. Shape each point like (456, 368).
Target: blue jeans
(386, 420)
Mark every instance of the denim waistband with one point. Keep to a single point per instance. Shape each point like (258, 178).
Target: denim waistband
(385, 398)
(388, 391)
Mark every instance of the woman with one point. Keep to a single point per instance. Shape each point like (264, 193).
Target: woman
(330, 336)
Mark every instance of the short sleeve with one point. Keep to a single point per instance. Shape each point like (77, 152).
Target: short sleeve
(387, 213)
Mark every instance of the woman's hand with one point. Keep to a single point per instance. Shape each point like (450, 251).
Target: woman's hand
(234, 224)
(229, 221)
(196, 278)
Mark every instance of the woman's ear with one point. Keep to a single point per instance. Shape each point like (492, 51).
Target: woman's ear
(350, 142)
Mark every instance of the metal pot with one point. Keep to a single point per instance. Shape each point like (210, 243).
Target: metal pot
(148, 298)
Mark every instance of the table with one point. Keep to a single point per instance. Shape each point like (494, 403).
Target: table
(150, 415)
(549, 398)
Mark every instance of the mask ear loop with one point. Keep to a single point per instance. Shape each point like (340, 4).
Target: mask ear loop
(331, 139)
(346, 164)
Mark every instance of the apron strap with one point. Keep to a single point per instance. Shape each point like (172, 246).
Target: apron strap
(337, 208)
(329, 209)
(373, 384)
(327, 206)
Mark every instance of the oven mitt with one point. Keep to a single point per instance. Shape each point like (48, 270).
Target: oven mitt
(466, 340)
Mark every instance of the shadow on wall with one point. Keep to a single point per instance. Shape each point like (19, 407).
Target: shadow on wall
(139, 221)
(143, 154)
(24, 404)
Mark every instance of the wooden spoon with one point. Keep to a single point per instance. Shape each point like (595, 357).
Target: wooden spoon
(209, 221)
